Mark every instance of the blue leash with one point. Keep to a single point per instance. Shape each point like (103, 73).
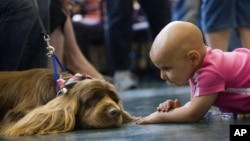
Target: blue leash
(51, 49)
(55, 60)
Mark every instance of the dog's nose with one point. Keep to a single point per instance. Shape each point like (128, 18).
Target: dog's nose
(115, 113)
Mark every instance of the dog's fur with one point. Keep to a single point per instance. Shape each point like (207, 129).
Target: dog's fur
(29, 104)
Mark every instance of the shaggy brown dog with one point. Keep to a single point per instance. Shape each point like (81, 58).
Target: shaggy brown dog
(30, 105)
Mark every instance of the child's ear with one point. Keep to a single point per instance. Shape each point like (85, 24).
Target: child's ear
(194, 56)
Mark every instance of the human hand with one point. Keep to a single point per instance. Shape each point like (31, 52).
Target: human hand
(168, 105)
(150, 119)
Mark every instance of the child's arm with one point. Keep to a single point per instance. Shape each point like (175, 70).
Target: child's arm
(168, 105)
(195, 110)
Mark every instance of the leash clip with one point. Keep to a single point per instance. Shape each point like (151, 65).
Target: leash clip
(49, 47)
(50, 51)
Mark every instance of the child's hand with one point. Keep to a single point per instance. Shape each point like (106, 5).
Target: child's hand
(155, 117)
(168, 105)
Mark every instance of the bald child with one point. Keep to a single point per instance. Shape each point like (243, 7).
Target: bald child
(216, 78)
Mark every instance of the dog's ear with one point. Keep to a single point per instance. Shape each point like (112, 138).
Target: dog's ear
(56, 116)
(14, 115)
(126, 117)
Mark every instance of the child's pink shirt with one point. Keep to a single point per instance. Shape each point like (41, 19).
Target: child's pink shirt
(228, 74)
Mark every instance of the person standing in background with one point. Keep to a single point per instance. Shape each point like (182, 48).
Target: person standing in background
(219, 17)
(186, 10)
(118, 34)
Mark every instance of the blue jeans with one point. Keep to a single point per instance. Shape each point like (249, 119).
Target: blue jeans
(217, 15)
(21, 39)
(186, 10)
(118, 28)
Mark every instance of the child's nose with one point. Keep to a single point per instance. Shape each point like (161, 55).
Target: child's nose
(163, 76)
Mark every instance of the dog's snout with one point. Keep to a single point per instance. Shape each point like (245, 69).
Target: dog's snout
(115, 113)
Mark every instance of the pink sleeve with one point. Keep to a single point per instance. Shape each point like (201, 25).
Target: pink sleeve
(210, 82)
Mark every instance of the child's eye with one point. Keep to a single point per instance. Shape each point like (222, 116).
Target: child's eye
(166, 68)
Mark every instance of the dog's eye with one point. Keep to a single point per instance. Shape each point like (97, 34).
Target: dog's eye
(90, 103)
(92, 100)
(114, 97)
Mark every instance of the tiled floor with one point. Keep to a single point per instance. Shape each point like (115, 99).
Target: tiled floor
(141, 102)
